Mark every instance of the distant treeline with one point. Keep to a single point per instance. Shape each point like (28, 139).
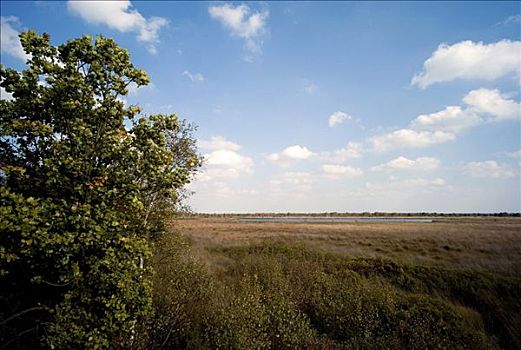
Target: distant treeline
(363, 214)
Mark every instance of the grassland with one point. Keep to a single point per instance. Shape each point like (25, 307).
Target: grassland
(222, 283)
(492, 244)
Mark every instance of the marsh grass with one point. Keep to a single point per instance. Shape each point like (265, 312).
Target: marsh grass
(249, 288)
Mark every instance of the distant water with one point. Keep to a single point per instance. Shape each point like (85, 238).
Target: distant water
(331, 219)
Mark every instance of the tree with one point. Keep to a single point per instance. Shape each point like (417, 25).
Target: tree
(84, 179)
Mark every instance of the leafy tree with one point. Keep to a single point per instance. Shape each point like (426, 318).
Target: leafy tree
(84, 180)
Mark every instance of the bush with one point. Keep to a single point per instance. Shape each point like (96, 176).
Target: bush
(183, 292)
(375, 302)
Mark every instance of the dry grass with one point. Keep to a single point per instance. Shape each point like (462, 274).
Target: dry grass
(492, 244)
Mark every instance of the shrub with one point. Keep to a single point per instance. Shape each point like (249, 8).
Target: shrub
(369, 303)
(183, 293)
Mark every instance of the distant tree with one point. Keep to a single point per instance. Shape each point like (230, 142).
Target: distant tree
(84, 180)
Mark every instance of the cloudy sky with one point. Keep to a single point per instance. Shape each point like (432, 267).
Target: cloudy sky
(308, 107)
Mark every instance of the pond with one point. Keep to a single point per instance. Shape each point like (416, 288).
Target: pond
(331, 219)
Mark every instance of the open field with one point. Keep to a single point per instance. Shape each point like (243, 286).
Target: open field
(489, 243)
(222, 283)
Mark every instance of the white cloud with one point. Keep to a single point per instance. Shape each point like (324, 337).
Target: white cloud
(229, 159)
(451, 119)
(9, 40)
(338, 118)
(488, 169)
(493, 103)
(4, 95)
(291, 153)
(239, 21)
(336, 171)
(120, 15)
(352, 150)
(196, 77)
(402, 163)
(297, 152)
(470, 61)
(407, 138)
(483, 105)
(223, 161)
(292, 181)
(225, 164)
(218, 143)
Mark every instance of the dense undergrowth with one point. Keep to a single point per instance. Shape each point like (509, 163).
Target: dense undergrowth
(275, 295)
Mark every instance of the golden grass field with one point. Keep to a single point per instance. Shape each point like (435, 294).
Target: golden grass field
(489, 243)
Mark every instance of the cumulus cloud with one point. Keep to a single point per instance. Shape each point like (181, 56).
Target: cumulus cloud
(402, 163)
(488, 169)
(493, 103)
(338, 118)
(218, 143)
(223, 161)
(482, 105)
(9, 40)
(352, 150)
(451, 119)
(121, 16)
(335, 171)
(297, 152)
(471, 61)
(196, 77)
(243, 23)
(408, 138)
(229, 159)
(291, 153)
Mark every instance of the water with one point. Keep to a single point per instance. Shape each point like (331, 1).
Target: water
(331, 219)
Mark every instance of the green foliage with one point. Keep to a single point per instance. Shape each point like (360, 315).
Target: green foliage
(192, 309)
(369, 303)
(278, 296)
(253, 316)
(183, 290)
(84, 182)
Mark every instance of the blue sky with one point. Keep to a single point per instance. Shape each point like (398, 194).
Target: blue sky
(322, 106)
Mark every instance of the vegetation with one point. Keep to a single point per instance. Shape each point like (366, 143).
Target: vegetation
(84, 182)
(281, 295)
